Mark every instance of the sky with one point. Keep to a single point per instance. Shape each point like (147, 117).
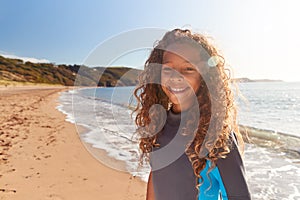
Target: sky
(259, 38)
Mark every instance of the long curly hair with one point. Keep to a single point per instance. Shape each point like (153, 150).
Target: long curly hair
(211, 139)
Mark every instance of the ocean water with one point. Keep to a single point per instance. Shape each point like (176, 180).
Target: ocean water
(271, 114)
(271, 105)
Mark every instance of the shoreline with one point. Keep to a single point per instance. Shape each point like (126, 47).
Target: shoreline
(43, 158)
(100, 154)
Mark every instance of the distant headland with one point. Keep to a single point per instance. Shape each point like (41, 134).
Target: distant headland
(13, 71)
(247, 80)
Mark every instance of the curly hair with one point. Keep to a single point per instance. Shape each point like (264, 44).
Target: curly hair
(211, 139)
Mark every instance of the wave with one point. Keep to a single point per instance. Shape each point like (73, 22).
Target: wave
(272, 139)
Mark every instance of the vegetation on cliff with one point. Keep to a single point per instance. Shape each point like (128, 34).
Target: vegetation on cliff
(69, 75)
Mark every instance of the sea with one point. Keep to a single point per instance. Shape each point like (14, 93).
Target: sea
(268, 111)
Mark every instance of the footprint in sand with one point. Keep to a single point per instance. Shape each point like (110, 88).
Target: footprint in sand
(47, 156)
(10, 170)
(54, 197)
(8, 190)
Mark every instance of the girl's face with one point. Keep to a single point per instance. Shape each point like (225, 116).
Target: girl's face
(180, 78)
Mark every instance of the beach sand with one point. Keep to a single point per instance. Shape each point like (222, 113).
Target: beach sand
(42, 157)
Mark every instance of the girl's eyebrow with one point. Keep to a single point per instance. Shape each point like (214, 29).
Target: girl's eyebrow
(166, 61)
(170, 61)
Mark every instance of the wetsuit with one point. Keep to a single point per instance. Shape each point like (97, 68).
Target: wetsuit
(173, 178)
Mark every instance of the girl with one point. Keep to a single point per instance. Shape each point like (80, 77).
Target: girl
(192, 149)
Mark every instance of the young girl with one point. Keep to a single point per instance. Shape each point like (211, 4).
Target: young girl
(192, 149)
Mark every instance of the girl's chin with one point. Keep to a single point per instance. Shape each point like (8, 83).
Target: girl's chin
(187, 103)
(181, 99)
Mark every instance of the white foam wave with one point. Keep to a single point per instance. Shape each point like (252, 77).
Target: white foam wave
(110, 128)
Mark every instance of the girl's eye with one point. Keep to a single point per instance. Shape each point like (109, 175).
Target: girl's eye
(189, 69)
(166, 69)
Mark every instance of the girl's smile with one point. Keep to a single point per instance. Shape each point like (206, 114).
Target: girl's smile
(177, 90)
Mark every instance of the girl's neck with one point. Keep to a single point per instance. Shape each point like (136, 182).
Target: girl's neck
(176, 117)
(176, 109)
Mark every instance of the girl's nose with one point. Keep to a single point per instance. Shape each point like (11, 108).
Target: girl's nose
(176, 76)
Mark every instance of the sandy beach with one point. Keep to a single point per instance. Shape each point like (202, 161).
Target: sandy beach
(42, 157)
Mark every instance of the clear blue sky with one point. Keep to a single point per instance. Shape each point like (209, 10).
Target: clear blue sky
(260, 38)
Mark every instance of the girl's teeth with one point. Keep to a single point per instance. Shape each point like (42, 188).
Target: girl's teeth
(177, 89)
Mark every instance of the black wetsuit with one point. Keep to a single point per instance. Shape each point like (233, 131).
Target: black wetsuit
(173, 177)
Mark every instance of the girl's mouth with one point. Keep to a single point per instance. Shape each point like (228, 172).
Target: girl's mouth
(177, 90)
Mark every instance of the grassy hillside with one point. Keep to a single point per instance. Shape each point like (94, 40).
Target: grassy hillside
(18, 71)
